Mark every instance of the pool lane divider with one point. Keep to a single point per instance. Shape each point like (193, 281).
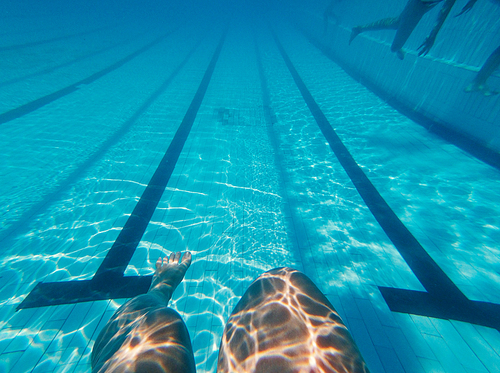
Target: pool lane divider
(51, 97)
(443, 298)
(109, 281)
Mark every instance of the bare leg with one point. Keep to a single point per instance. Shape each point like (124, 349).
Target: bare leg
(283, 323)
(325, 21)
(330, 13)
(409, 19)
(144, 335)
(383, 24)
(479, 82)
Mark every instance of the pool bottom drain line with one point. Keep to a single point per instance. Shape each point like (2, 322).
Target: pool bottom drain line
(22, 225)
(109, 281)
(443, 298)
(38, 103)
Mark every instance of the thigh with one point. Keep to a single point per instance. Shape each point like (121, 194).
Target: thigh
(409, 19)
(116, 330)
(157, 341)
(284, 323)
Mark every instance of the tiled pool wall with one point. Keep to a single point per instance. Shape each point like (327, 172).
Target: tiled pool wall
(432, 85)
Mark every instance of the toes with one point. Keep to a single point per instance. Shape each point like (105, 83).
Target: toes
(177, 257)
(174, 258)
(186, 259)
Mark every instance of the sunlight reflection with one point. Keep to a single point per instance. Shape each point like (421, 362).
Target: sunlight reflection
(250, 189)
(284, 322)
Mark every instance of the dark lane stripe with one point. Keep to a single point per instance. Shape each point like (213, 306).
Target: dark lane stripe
(40, 42)
(23, 223)
(473, 146)
(45, 100)
(420, 262)
(443, 299)
(67, 63)
(109, 281)
(121, 252)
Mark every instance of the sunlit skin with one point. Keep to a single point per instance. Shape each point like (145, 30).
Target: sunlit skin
(144, 335)
(283, 323)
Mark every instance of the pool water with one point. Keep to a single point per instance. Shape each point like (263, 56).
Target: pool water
(266, 174)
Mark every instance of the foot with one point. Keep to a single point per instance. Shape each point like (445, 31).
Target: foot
(471, 88)
(483, 88)
(169, 273)
(401, 54)
(355, 32)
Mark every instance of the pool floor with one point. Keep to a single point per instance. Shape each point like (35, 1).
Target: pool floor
(281, 159)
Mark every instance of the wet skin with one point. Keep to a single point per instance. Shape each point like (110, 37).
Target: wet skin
(283, 323)
(144, 335)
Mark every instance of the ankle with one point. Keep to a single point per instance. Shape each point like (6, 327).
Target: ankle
(161, 290)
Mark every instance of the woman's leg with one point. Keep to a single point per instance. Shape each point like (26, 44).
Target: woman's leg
(489, 67)
(283, 323)
(383, 24)
(144, 335)
(409, 19)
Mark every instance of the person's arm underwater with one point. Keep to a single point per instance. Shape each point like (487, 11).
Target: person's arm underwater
(429, 41)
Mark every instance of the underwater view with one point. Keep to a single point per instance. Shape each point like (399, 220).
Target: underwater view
(250, 186)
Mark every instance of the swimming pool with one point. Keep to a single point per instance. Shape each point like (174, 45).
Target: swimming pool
(260, 181)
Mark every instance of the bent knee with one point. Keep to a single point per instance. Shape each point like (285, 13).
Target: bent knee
(164, 314)
(280, 271)
(165, 323)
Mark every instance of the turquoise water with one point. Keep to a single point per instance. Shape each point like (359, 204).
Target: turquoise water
(256, 186)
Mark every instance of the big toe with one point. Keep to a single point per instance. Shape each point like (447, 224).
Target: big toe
(187, 258)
